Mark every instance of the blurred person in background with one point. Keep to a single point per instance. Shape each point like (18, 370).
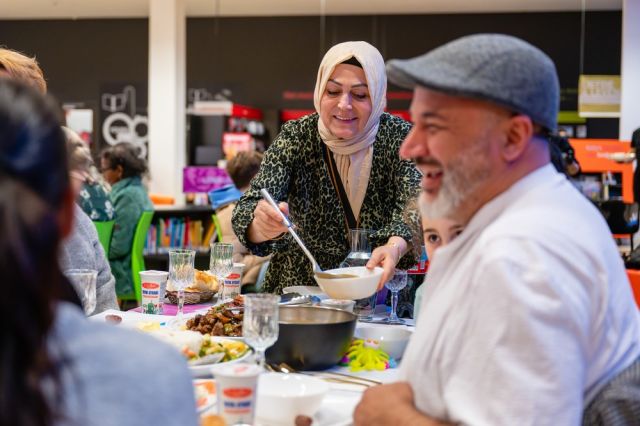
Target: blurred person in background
(93, 196)
(334, 170)
(123, 170)
(241, 169)
(57, 367)
(79, 251)
(82, 248)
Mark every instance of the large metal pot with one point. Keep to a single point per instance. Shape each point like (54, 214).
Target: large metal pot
(312, 337)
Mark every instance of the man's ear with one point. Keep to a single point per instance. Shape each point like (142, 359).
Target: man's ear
(519, 130)
(65, 214)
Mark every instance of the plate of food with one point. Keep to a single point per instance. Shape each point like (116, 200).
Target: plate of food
(204, 287)
(203, 350)
(221, 320)
(205, 394)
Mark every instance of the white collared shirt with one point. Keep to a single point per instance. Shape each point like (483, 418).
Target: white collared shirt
(526, 314)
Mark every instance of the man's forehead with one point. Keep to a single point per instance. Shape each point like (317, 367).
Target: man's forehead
(428, 103)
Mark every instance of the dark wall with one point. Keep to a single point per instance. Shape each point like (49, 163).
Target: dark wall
(260, 58)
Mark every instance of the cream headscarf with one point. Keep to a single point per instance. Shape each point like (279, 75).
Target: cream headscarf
(353, 156)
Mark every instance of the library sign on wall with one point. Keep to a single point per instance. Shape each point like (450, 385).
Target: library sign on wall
(599, 96)
(123, 115)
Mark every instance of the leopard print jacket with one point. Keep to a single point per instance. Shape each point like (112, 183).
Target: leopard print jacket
(293, 170)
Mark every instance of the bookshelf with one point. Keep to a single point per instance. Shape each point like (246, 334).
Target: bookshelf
(179, 227)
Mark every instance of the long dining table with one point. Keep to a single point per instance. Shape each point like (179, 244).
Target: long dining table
(337, 406)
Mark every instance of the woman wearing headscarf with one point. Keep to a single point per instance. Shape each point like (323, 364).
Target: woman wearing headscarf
(334, 170)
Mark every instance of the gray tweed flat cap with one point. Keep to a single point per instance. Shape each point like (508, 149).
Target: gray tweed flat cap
(492, 67)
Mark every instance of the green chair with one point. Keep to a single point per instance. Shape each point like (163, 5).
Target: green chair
(104, 234)
(216, 223)
(137, 256)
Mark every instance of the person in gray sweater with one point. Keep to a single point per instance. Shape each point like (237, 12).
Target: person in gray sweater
(59, 367)
(82, 249)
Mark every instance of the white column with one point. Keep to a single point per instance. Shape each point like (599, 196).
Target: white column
(167, 87)
(630, 69)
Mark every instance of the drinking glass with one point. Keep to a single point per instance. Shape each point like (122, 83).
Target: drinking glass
(395, 284)
(359, 256)
(221, 263)
(84, 283)
(181, 273)
(260, 324)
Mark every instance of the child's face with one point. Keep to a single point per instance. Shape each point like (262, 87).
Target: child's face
(438, 232)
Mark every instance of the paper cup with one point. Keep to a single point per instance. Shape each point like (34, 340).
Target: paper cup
(153, 287)
(233, 281)
(237, 387)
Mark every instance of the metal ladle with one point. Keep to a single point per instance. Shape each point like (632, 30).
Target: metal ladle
(318, 272)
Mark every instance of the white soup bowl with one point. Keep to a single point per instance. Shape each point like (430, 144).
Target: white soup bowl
(282, 397)
(364, 284)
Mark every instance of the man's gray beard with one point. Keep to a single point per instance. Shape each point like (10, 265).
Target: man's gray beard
(458, 183)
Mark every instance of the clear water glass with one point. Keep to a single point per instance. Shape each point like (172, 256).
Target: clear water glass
(181, 273)
(221, 263)
(260, 324)
(84, 283)
(359, 256)
(396, 283)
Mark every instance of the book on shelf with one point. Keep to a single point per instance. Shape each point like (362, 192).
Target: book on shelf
(175, 232)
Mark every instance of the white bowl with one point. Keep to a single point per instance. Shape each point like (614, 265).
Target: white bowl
(364, 285)
(393, 339)
(282, 397)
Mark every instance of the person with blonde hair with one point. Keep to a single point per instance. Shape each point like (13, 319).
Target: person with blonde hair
(334, 170)
(18, 66)
(81, 250)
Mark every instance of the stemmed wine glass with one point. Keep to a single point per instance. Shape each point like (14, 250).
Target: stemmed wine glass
(260, 324)
(395, 284)
(181, 273)
(221, 263)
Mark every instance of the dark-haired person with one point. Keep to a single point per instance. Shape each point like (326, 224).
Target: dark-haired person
(56, 367)
(123, 170)
(334, 170)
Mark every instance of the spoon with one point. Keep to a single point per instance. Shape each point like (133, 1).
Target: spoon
(286, 368)
(213, 358)
(295, 299)
(285, 220)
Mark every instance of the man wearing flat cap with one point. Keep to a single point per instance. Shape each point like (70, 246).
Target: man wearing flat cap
(528, 316)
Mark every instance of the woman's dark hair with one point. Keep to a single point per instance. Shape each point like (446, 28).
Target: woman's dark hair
(33, 185)
(125, 155)
(352, 61)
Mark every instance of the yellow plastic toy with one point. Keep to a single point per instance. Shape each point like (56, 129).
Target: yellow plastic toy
(366, 355)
